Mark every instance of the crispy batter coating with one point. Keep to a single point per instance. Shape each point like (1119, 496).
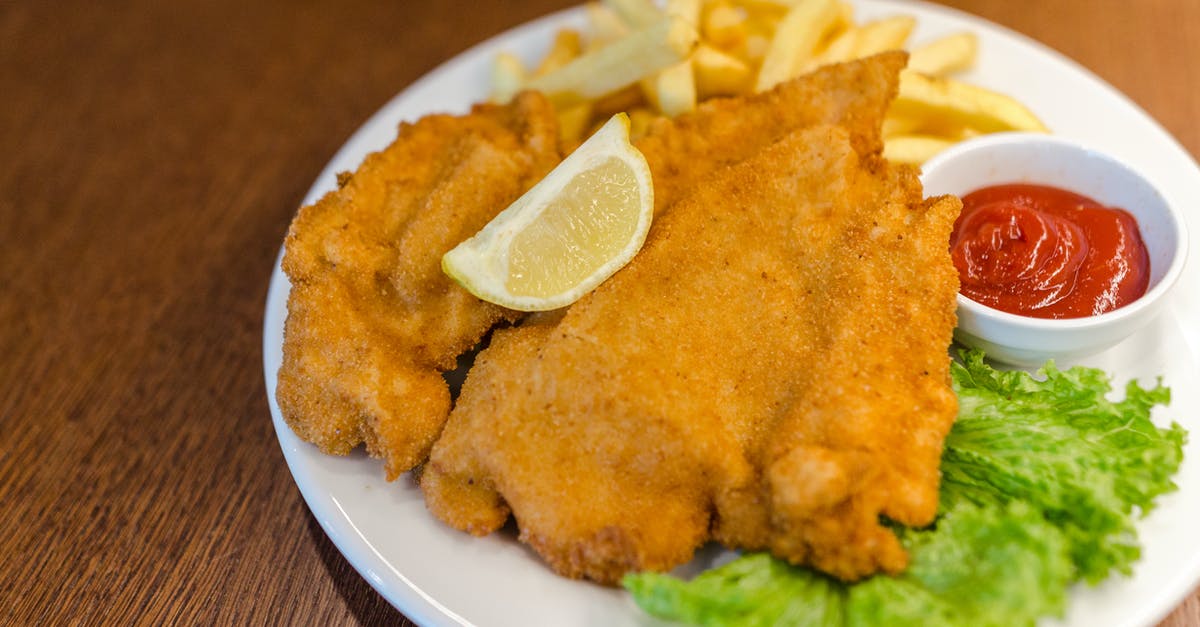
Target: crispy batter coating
(372, 320)
(770, 371)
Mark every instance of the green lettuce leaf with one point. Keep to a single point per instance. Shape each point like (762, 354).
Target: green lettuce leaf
(752, 591)
(992, 565)
(1057, 443)
(1042, 478)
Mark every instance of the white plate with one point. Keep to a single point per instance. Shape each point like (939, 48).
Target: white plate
(438, 576)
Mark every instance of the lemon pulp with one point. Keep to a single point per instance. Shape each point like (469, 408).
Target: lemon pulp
(572, 230)
(577, 233)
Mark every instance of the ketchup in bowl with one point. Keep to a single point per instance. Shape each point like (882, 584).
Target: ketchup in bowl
(1045, 252)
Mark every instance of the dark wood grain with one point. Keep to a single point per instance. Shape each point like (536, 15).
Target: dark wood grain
(151, 156)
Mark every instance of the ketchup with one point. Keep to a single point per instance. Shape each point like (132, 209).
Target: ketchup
(1048, 253)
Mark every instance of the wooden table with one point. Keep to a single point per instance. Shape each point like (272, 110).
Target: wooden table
(151, 156)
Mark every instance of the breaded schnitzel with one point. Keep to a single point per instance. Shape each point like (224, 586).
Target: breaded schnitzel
(685, 150)
(372, 320)
(770, 371)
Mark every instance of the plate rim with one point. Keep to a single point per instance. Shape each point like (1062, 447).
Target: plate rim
(410, 600)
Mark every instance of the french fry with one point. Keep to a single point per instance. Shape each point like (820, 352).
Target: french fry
(718, 73)
(508, 77)
(944, 56)
(573, 122)
(795, 41)
(895, 124)
(755, 48)
(647, 61)
(619, 64)
(839, 49)
(637, 14)
(625, 99)
(566, 47)
(885, 34)
(762, 17)
(686, 9)
(606, 25)
(779, 6)
(844, 20)
(921, 123)
(673, 90)
(971, 106)
(724, 25)
(639, 121)
(914, 149)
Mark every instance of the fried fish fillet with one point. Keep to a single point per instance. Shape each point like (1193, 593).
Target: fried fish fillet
(770, 372)
(372, 320)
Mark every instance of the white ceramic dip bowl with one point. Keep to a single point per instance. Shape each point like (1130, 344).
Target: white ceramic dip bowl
(1047, 160)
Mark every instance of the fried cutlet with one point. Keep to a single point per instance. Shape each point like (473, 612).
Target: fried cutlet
(372, 320)
(685, 150)
(770, 372)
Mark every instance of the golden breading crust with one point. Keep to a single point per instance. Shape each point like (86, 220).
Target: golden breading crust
(687, 149)
(372, 320)
(770, 371)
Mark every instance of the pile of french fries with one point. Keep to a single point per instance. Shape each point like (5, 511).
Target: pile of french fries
(649, 60)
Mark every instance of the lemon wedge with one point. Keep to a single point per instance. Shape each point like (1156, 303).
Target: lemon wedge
(572, 230)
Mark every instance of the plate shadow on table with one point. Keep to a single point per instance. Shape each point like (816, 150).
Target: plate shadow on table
(361, 600)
